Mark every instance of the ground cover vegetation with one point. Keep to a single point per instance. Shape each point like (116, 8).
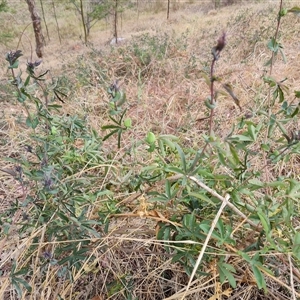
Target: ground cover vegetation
(165, 167)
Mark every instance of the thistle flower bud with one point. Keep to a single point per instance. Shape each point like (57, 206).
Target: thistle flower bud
(220, 46)
(221, 42)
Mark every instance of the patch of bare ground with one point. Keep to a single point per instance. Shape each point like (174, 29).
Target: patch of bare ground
(163, 67)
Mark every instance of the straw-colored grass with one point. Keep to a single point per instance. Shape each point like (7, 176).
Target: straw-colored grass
(169, 99)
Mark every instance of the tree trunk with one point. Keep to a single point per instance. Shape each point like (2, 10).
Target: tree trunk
(83, 23)
(37, 27)
(168, 10)
(116, 21)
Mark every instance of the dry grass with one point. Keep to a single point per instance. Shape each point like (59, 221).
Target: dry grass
(169, 99)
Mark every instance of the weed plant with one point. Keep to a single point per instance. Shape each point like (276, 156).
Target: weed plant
(222, 210)
(56, 180)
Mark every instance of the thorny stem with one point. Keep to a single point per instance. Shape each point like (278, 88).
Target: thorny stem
(275, 37)
(273, 54)
(19, 92)
(216, 53)
(211, 116)
(212, 94)
(269, 92)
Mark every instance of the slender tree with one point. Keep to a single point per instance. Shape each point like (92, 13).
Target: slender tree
(83, 22)
(91, 11)
(44, 19)
(37, 28)
(138, 9)
(55, 17)
(115, 20)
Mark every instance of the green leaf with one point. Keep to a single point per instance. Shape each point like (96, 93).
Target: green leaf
(270, 80)
(24, 283)
(205, 227)
(32, 122)
(221, 274)
(282, 129)
(264, 221)
(225, 272)
(168, 142)
(272, 124)
(295, 10)
(192, 169)
(220, 226)
(122, 116)
(245, 256)
(229, 267)
(261, 283)
(234, 154)
(182, 157)
(168, 189)
(273, 45)
(295, 112)
(162, 148)
(54, 106)
(151, 138)
(283, 56)
(221, 158)
(110, 127)
(255, 184)
(114, 120)
(177, 257)
(114, 112)
(27, 81)
(262, 268)
(17, 287)
(169, 137)
(276, 184)
(189, 221)
(202, 197)
(151, 148)
(240, 138)
(128, 123)
(173, 169)
(265, 147)
(210, 105)
(253, 131)
(294, 188)
(62, 216)
(164, 233)
(275, 95)
(119, 137)
(22, 97)
(283, 12)
(110, 134)
(297, 94)
(206, 78)
(281, 95)
(15, 65)
(296, 245)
